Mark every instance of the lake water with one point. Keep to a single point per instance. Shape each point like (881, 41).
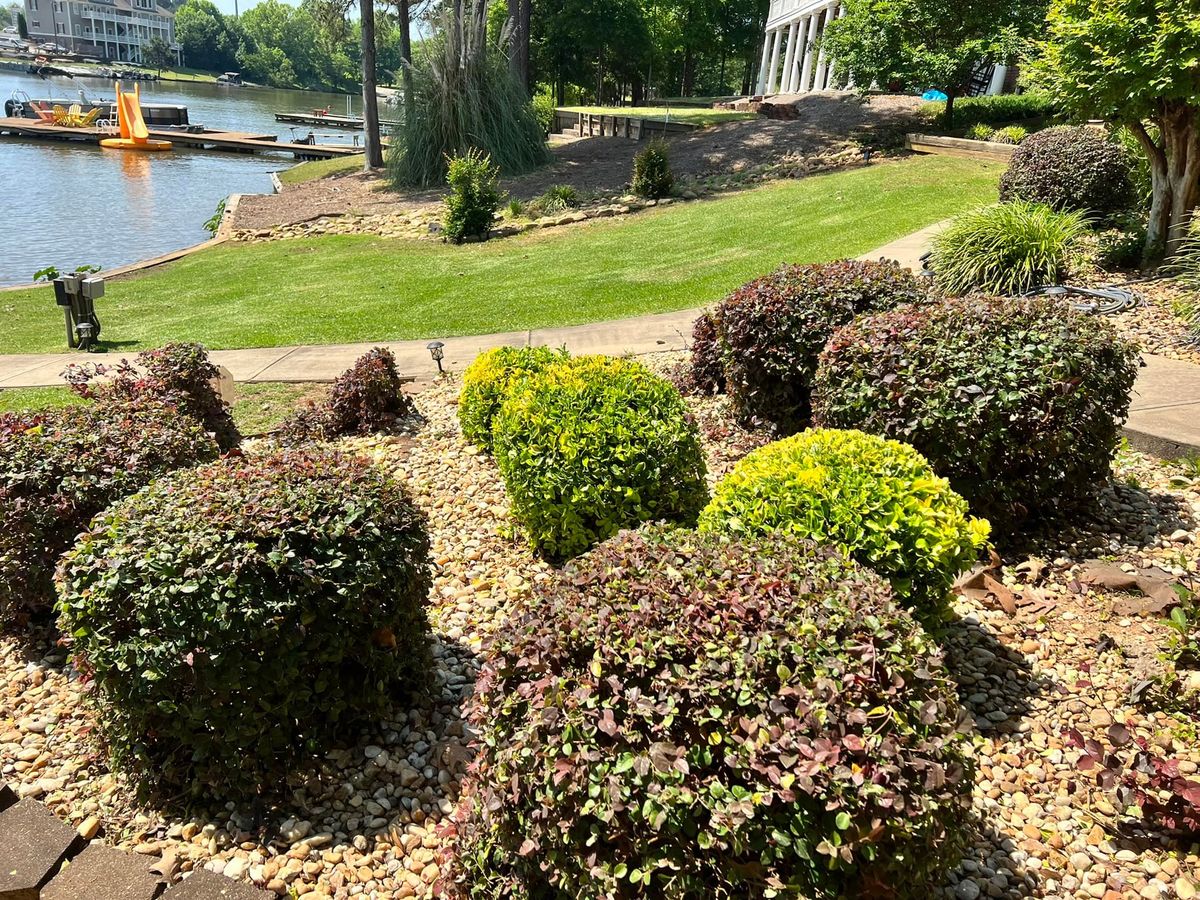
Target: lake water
(65, 204)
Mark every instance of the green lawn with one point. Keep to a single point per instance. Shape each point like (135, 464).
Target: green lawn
(360, 288)
(692, 114)
(321, 168)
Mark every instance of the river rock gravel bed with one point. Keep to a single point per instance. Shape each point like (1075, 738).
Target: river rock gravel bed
(365, 821)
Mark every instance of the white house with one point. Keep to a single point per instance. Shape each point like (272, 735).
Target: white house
(791, 64)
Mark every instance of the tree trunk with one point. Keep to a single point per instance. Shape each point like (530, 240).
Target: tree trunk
(373, 157)
(689, 73)
(520, 45)
(949, 123)
(637, 92)
(1174, 177)
(406, 59)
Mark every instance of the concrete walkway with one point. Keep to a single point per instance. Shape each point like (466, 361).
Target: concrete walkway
(1164, 418)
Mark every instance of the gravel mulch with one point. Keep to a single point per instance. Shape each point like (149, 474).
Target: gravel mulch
(364, 822)
(1155, 324)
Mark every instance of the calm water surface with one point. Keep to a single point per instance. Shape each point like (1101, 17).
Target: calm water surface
(65, 204)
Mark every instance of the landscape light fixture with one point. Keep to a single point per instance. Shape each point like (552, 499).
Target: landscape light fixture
(435, 350)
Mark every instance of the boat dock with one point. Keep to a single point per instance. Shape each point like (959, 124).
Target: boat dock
(331, 120)
(231, 141)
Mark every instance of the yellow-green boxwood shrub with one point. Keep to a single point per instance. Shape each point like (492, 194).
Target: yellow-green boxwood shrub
(594, 444)
(237, 618)
(488, 381)
(678, 715)
(874, 499)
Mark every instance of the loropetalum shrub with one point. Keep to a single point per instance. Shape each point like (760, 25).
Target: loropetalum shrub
(283, 606)
(60, 467)
(594, 444)
(1019, 402)
(1070, 168)
(474, 195)
(365, 399)
(874, 499)
(489, 379)
(652, 175)
(771, 330)
(677, 715)
(179, 373)
(707, 370)
(1009, 248)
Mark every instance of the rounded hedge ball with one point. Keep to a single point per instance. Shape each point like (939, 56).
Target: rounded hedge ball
(238, 616)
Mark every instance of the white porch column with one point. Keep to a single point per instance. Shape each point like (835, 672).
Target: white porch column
(822, 57)
(785, 79)
(762, 66)
(773, 71)
(806, 70)
(999, 74)
(793, 72)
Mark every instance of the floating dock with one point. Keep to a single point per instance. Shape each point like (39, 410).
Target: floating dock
(331, 120)
(231, 141)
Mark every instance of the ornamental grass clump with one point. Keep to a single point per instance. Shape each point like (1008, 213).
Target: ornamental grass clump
(60, 467)
(238, 618)
(1010, 248)
(490, 379)
(678, 715)
(1019, 402)
(873, 499)
(769, 332)
(1071, 169)
(368, 398)
(594, 444)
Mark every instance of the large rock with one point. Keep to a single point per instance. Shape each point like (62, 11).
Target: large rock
(32, 843)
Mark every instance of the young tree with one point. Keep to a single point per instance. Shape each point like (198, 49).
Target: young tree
(1133, 63)
(22, 27)
(926, 44)
(156, 53)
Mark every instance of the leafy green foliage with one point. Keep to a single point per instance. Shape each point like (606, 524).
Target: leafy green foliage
(284, 606)
(1070, 168)
(594, 444)
(367, 398)
(1017, 401)
(995, 109)
(474, 195)
(875, 500)
(543, 110)
(980, 132)
(652, 171)
(555, 199)
(1185, 266)
(1009, 248)
(489, 380)
(677, 715)
(771, 330)
(60, 467)
(1009, 134)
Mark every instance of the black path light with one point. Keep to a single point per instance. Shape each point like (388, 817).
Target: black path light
(435, 350)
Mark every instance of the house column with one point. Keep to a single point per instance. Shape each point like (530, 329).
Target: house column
(793, 75)
(806, 70)
(999, 74)
(773, 71)
(762, 66)
(785, 81)
(822, 57)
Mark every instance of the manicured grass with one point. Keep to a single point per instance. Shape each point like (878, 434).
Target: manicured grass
(360, 288)
(13, 399)
(692, 114)
(321, 168)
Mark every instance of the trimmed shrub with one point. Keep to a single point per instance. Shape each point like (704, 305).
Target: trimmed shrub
(995, 109)
(474, 195)
(1019, 402)
(875, 500)
(60, 467)
(1009, 134)
(179, 374)
(367, 398)
(678, 716)
(595, 444)
(283, 606)
(1070, 168)
(771, 330)
(1010, 248)
(652, 176)
(707, 371)
(490, 379)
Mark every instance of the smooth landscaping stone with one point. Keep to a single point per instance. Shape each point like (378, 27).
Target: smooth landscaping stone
(204, 885)
(101, 873)
(32, 841)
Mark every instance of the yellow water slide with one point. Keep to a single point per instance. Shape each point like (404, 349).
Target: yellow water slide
(134, 134)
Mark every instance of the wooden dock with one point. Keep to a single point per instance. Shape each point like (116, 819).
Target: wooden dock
(229, 141)
(333, 121)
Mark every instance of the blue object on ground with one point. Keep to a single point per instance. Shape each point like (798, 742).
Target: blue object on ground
(934, 95)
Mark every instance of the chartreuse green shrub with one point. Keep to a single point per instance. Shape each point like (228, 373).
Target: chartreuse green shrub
(680, 715)
(875, 500)
(238, 618)
(59, 467)
(594, 444)
(1019, 402)
(488, 380)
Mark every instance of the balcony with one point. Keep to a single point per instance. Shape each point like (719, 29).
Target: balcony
(790, 10)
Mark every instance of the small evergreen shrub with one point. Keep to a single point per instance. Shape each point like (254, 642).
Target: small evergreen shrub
(179, 374)
(707, 370)
(474, 195)
(677, 715)
(283, 607)
(1010, 248)
(60, 467)
(1009, 134)
(652, 176)
(1122, 246)
(995, 109)
(367, 398)
(875, 500)
(592, 445)
(980, 132)
(490, 379)
(543, 110)
(1071, 169)
(1019, 402)
(771, 330)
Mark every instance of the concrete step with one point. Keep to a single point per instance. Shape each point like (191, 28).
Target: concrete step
(204, 885)
(102, 873)
(33, 841)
